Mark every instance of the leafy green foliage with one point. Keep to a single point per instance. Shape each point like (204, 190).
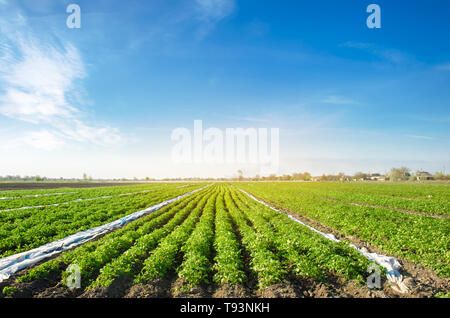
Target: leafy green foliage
(419, 238)
(163, 258)
(28, 229)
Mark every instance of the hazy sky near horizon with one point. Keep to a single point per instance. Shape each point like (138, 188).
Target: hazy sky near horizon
(105, 98)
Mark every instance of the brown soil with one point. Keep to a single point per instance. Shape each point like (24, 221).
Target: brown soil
(157, 289)
(293, 287)
(232, 291)
(58, 291)
(281, 290)
(117, 289)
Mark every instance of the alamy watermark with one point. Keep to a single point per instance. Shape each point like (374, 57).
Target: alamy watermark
(73, 281)
(74, 19)
(374, 279)
(256, 146)
(374, 19)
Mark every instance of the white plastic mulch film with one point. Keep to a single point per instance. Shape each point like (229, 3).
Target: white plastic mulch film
(12, 264)
(391, 264)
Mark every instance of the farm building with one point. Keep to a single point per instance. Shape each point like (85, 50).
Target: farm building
(377, 177)
(423, 175)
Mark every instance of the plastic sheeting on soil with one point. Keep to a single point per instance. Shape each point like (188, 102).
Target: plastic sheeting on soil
(391, 264)
(77, 200)
(36, 195)
(11, 264)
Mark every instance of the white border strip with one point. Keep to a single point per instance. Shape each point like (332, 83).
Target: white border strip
(391, 264)
(12, 264)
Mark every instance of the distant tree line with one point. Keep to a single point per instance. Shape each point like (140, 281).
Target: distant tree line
(395, 174)
(25, 178)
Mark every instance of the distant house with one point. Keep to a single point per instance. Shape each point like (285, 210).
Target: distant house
(377, 177)
(423, 175)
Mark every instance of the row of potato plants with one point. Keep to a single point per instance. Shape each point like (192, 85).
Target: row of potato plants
(265, 263)
(228, 261)
(196, 266)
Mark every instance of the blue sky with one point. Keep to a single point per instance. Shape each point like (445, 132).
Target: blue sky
(104, 99)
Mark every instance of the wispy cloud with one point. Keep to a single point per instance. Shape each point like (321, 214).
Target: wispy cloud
(443, 67)
(419, 137)
(214, 10)
(339, 100)
(40, 82)
(252, 119)
(390, 55)
(257, 28)
(210, 12)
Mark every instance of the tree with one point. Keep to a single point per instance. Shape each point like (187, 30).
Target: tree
(85, 176)
(399, 174)
(360, 175)
(441, 176)
(240, 175)
(306, 176)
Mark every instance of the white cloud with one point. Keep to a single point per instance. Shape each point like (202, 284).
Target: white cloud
(42, 139)
(36, 86)
(40, 85)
